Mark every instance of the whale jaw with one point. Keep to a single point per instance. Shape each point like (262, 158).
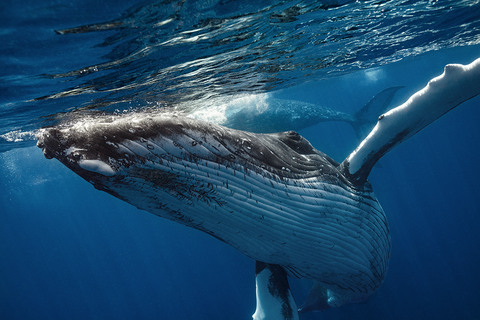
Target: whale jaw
(271, 196)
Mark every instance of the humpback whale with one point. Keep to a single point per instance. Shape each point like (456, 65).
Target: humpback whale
(274, 197)
(269, 115)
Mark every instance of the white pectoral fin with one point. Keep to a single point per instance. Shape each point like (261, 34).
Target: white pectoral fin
(457, 84)
(274, 298)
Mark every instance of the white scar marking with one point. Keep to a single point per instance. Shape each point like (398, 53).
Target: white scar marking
(97, 166)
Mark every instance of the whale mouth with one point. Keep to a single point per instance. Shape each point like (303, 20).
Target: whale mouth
(56, 144)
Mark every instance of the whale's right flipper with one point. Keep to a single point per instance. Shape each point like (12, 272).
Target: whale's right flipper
(365, 119)
(274, 298)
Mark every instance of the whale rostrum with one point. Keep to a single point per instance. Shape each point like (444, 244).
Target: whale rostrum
(274, 197)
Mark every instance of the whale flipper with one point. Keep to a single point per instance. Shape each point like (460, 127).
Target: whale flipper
(365, 119)
(457, 84)
(274, 298)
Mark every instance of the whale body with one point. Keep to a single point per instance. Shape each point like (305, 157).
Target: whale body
(274, 197)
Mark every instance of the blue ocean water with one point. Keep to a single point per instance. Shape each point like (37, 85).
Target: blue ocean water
(69, 251)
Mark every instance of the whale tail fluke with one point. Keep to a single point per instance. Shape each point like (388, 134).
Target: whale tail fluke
(316, 300)
(365, 119)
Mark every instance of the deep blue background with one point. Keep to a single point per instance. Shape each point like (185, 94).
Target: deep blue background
(68, 251)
